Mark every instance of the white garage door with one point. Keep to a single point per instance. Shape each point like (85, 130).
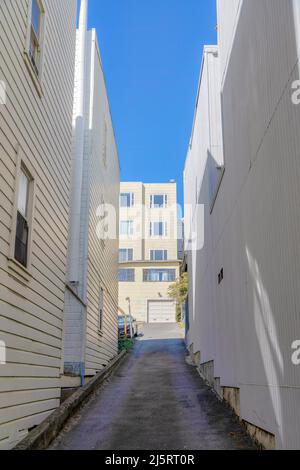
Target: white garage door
(162, 311)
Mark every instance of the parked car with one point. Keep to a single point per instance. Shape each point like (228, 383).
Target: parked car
(131, 326)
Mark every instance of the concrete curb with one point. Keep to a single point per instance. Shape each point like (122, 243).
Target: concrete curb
(42, 436)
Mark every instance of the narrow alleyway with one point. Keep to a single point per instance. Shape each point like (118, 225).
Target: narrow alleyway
(154, 401)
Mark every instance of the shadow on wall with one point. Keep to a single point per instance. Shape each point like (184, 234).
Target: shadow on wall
(271, 239)
(202, 267)
(259, 239)
(268, 341)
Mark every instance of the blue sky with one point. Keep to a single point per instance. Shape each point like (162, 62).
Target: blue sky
(151, 52)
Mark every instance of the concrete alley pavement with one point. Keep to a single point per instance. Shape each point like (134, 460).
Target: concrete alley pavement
(154, 401)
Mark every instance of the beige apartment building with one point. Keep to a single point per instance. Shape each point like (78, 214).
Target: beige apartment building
(148, 254)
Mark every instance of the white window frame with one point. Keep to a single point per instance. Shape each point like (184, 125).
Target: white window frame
(17, 268)
(165, 252)
(131, 198)
(165, 204)
(36, 73)
(158, 272)
(130, 230)
(165, 229)
(127, 252)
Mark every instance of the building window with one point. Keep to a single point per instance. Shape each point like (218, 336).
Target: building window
(158, 201)
(126, 227)
(22, 226)
(125, 254)
(158, 229)
(36, 35)
(126, 275)
(127, 200)
(101, 309)
(158, 255)
(159, 275)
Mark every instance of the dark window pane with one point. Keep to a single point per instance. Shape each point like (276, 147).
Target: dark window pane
(159, 275)
(101, 307)
(159, 255)
(159, 201)
(126, 275)
(21, 245)
(34, 53)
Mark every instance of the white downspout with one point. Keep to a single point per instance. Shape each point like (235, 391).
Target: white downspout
(78, 149)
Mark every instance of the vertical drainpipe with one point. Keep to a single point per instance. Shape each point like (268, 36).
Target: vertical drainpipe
(77, 164)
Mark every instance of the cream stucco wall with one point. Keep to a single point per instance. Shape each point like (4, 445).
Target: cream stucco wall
(140, 292)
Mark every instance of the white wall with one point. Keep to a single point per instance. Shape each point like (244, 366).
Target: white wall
(85, 348)
(39, 131)
(205, 153)
(248, 323)
(103, 257)
(228, 16)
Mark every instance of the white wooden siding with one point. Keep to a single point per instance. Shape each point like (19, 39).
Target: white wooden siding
(103, 257)
(31, 311)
